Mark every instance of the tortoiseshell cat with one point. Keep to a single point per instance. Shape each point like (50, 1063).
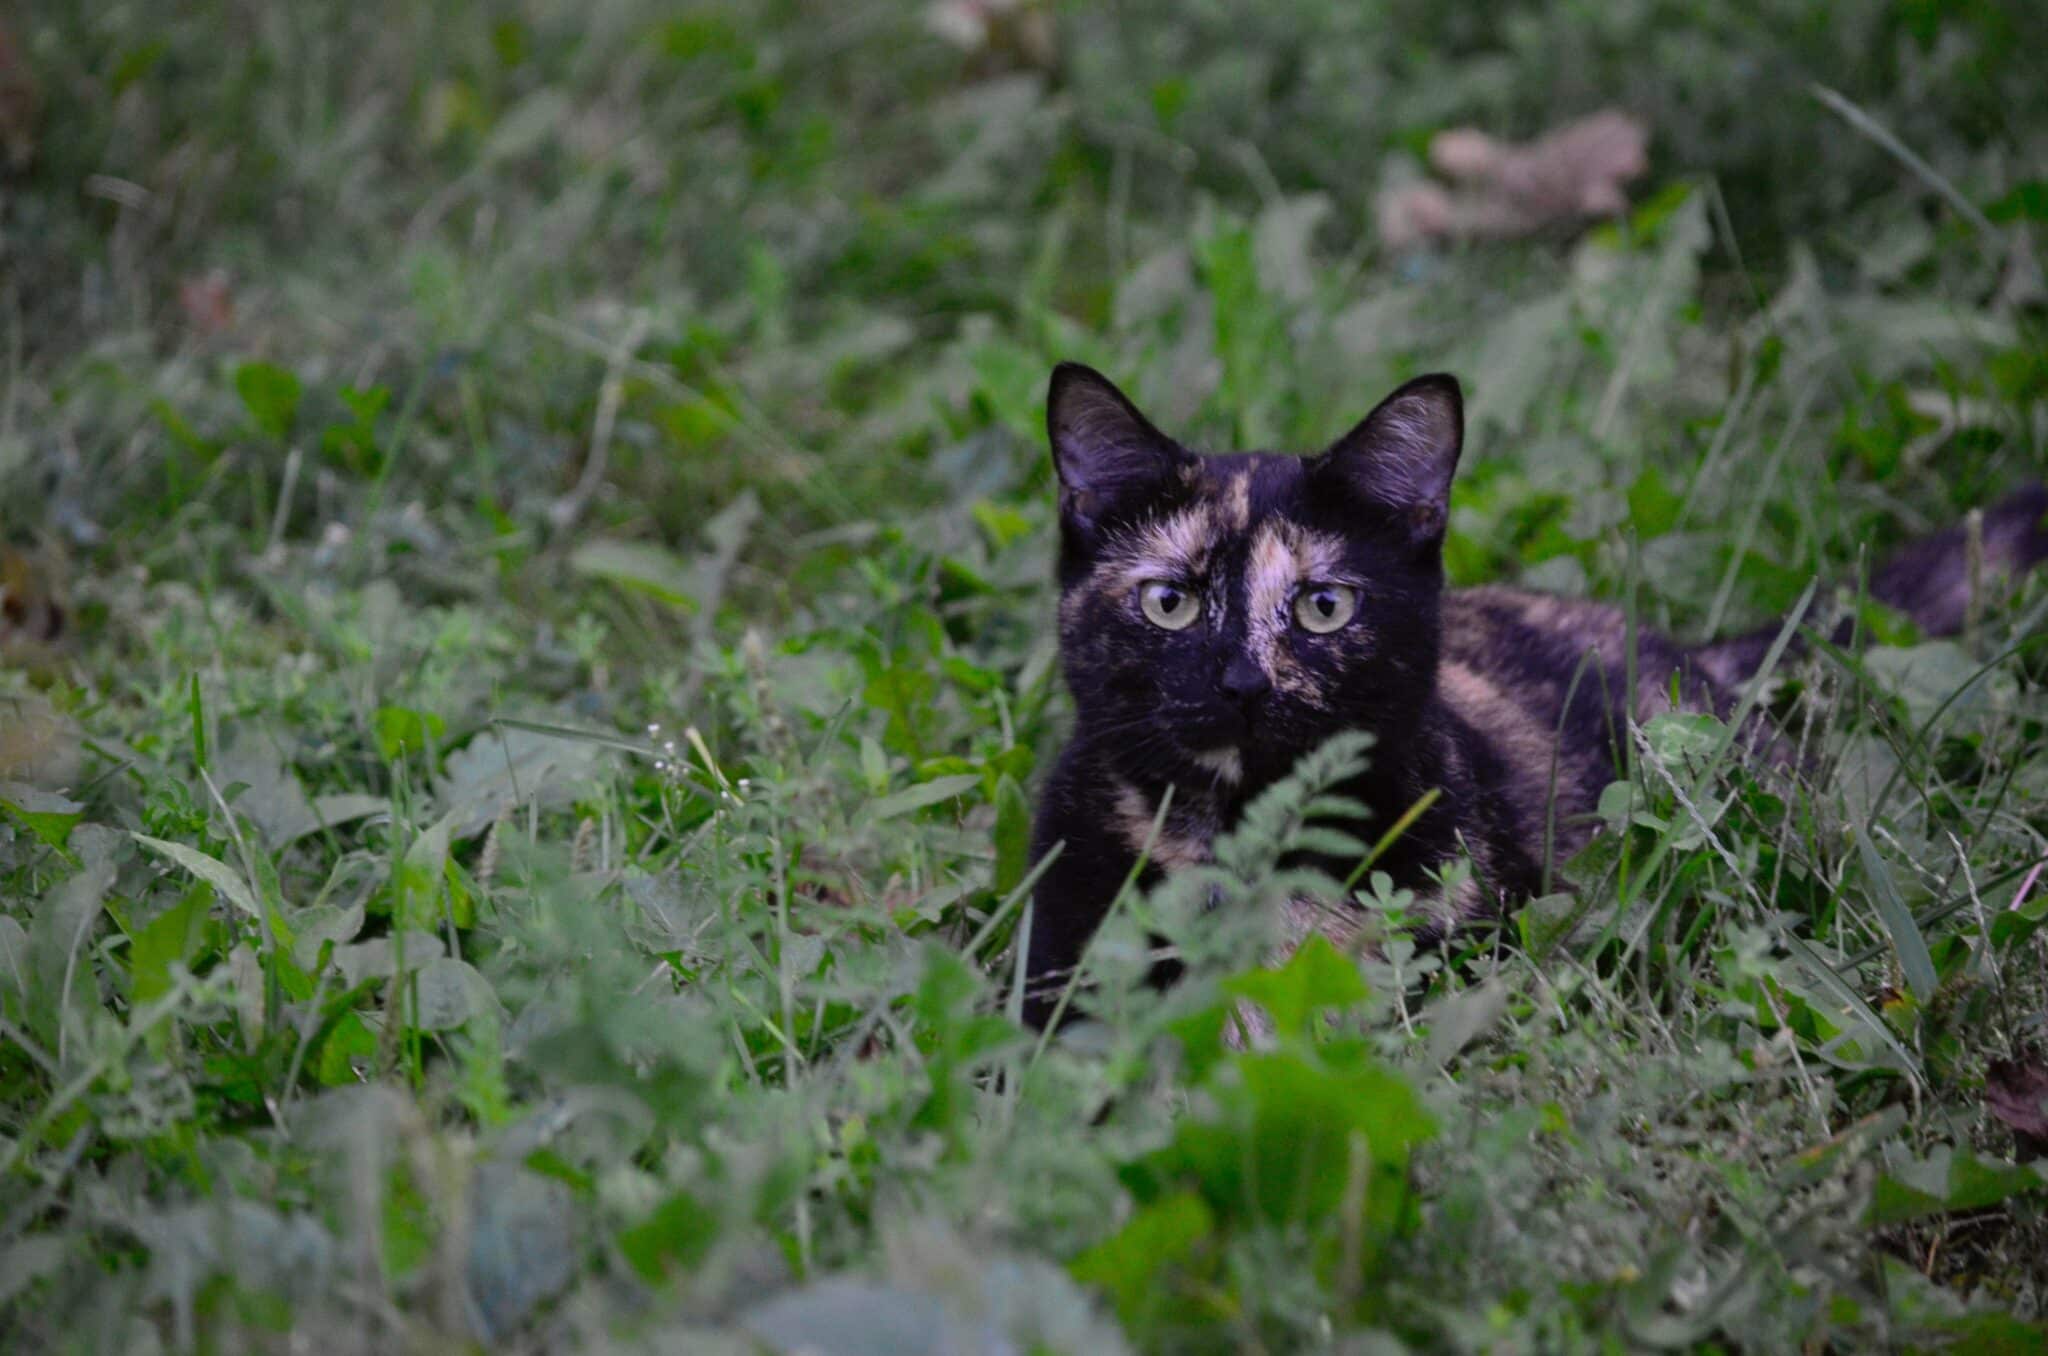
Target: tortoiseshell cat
(1220, 616)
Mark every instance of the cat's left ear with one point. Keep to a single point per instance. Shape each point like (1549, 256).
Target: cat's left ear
(1109, 457)
(1401, 457)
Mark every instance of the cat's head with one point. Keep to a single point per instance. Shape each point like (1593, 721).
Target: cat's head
(1221, 615)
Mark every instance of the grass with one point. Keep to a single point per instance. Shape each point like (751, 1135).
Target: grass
(521, 844)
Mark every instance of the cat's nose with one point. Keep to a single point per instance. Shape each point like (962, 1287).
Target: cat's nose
(1245, 682)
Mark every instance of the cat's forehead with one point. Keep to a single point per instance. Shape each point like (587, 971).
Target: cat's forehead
(1238, 514)
(1242, 487)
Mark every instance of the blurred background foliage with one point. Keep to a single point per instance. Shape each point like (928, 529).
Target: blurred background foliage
(539, 537)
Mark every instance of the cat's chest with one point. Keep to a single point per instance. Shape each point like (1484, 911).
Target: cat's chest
(1176, 832)
(1183, 835)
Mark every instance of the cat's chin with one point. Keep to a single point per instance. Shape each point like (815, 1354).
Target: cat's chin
(1225, 763)
(1243, 767)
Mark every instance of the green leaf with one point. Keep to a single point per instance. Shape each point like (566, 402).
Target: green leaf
(348, 1045)
(331, 811)
(1652, 505)
(408, 1225)
(1940, 679)
(874, 764)
(1201, 1035)
(1948, 1180)
(1013, 835)
(45, 814)
(2028, 201)
(401, 730)
(959, 579)
(1683, 741)
(182, 433)
(1283, 245)
(315, 927)
(523, 1246)
(271, 395)
(58, 927)
(1914, 959)
(172, 937)
(1250, 330)
(136, 63)
(1852, 1002)
(1328, 842)
(1974, 1183)
(195, 711)
(956, 1040)
(1520, 351)
(447, 993)
(417, 887)
(1316, 976)
(217, 874)
(639, 567)
(28, 1260)
(924, 793)
(1279, 1148)
(1547, 920)
(15, 957)
(1456, 1021)
(507, 766)
(1128, 1263)
(904, 691)
(851, 1318)
(1000, 524)
(271, 796)
(1887, 626)
(678, 1233)
(366, 404)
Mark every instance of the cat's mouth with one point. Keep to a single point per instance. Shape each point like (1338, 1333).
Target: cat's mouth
(1223, 726)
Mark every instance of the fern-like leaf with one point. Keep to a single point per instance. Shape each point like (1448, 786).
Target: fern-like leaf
(1274, 823)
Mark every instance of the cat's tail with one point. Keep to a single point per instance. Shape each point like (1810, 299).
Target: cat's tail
(1932, 580)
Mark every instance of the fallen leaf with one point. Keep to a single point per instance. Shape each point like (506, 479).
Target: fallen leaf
(503, 768)
(39, 744)
(2016, 1091)
(32, 619)
(271, 796)
(1501, 190)
(208, 301)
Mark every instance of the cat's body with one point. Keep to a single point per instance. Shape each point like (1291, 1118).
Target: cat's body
(1221, 616)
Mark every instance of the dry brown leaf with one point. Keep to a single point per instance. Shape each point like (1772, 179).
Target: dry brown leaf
(1501, 190)
(207, 301)
(30, 615)
(39, 744)
(2016, 1091)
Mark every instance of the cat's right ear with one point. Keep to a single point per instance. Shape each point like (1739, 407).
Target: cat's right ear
(1401, 457)
(1109, 457)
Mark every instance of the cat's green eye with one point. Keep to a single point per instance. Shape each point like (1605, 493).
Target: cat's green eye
(1323, 608)
(1169, 605)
